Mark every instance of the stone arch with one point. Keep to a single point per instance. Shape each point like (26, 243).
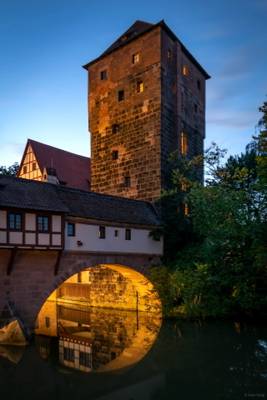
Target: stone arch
(142, 297)
(34, 276)
(149, 317)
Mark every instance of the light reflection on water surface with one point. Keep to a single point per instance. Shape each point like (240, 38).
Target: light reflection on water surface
(94, 339)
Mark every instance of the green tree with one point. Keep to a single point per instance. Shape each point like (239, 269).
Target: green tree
(9, 171)
(220, 268)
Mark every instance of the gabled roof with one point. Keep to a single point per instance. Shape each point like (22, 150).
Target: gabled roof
(33, 195)
(138, 29)
(29, 194)
(71, 169)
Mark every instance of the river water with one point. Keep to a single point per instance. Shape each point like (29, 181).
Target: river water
(86, 353)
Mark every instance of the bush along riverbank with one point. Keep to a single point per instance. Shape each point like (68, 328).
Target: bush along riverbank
(215, 235)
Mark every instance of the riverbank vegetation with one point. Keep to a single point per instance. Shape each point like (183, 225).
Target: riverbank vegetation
(215, 235)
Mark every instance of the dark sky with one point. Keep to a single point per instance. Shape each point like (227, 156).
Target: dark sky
(43, 43)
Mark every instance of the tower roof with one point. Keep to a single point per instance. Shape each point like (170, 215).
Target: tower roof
(138, 29)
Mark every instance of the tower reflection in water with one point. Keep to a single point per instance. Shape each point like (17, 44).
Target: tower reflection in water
(94, 339)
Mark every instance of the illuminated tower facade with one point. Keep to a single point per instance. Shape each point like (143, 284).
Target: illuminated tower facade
(146, 99)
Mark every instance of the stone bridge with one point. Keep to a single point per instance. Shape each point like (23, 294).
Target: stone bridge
(29, 277)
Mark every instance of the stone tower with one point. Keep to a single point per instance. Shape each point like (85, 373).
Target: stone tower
(146, 100)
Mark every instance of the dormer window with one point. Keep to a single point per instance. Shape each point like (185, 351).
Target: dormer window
(139, 87)
(135, 58)
(103, 75)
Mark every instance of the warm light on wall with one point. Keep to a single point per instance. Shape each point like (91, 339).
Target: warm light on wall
(184, 144)
(185, 70)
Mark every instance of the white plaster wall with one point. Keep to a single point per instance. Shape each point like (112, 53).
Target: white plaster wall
(88, 235)
(56, 223)
(15, 237)
(3, 220)
(56, 240)
(30, 238)
(43, 239)
(3, 237)
(30, 222)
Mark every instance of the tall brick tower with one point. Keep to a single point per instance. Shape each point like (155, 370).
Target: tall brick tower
(146, 100)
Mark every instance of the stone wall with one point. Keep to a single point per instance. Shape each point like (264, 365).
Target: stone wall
(137, 117)
(148, 124)
(100, 287)
(33, 279)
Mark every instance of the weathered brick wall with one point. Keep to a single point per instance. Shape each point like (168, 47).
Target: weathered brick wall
(149, 123)
(100, 287)
(183, 104)
(137, 117)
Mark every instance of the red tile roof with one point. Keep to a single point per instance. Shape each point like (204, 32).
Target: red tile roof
(72, 169)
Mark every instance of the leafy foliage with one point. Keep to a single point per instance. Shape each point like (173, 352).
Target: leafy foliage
(219, 262)
(9, 171)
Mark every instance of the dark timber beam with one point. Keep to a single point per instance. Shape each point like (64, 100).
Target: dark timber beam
(56, 268)
(11, 261)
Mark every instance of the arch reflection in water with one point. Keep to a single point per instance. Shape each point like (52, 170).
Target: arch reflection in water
(94, 339)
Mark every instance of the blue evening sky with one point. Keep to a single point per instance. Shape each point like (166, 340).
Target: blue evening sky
(43, 43)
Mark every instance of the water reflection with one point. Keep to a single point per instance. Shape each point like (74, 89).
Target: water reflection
(94, 339)
(189, 360)
(12, 353)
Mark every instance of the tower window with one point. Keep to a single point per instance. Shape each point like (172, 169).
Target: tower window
(135, 58)
(120, 95)
(128, 234)
(115, 128)
(127, 181)
(139, 87)
(185, 70)
(169, 54)
(102, 232)
(103, 75)
(195, 108)
(115, 155)
(25, 169)
(198, 84)
(184, 144)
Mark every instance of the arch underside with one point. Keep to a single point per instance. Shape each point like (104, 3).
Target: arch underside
(110, 301)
